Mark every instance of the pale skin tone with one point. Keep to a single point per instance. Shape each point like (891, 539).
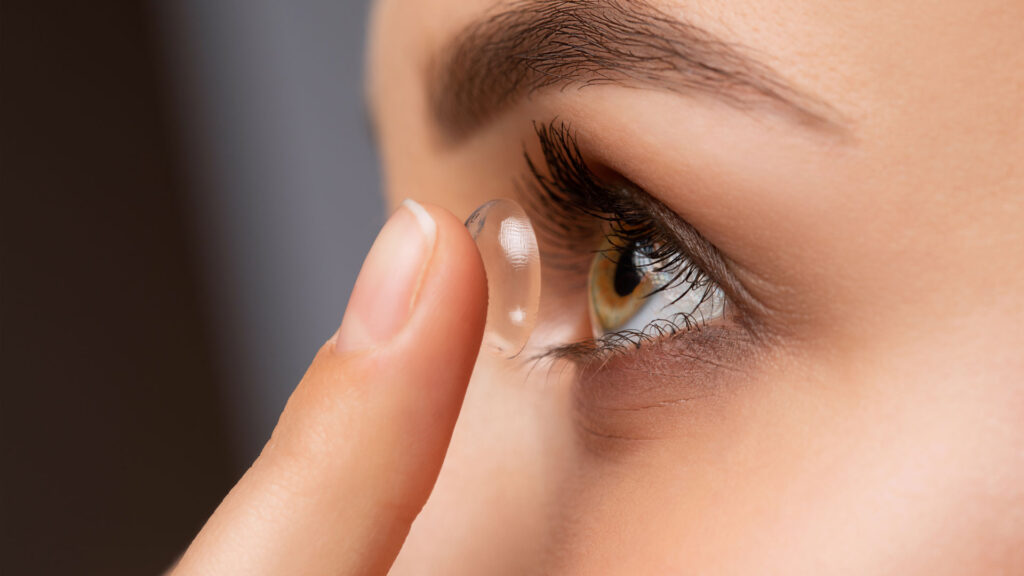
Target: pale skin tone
(879, 430)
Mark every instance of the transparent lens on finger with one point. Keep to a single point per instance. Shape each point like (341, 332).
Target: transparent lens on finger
(508, 246)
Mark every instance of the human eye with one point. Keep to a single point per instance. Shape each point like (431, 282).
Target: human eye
(639, 289)
(646, 275)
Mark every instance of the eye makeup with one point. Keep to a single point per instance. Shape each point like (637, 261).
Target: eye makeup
(626, 250)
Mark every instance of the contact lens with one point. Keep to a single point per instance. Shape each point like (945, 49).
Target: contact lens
(508, 246)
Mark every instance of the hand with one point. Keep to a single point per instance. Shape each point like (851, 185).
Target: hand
(359, 445)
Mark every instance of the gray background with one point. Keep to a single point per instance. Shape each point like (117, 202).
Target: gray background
(188, 193)
(286, 200)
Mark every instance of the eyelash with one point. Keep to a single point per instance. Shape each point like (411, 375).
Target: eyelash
(576, 209)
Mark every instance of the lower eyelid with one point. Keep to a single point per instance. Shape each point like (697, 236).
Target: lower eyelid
(685, 362)
(693, 335)
(647, 392)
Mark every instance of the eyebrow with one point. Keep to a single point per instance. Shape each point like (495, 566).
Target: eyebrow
(528, 45)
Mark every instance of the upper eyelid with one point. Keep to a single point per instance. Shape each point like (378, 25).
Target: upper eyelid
(690, 242)
(567, 173)
(753, 316)
(708, 258)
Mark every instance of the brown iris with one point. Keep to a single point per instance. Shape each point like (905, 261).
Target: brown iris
(618, 286)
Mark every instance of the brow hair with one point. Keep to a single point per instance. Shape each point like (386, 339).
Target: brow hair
(528, 45)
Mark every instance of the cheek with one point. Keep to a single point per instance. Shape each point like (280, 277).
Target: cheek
(794, 473)
(490, 510)
(677, 386)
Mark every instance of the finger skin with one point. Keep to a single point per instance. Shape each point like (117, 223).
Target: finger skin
(359, 445)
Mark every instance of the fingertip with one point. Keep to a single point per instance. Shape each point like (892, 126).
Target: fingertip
(451, 304)
(363, 437)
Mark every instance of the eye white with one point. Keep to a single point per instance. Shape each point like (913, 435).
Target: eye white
(699, 304)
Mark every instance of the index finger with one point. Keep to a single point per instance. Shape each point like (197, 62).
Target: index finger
(360, 443)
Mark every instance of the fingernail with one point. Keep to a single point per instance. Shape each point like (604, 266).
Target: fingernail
(386, 288)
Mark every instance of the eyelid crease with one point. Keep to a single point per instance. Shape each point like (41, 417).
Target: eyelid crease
(657, 404)
(585, 426)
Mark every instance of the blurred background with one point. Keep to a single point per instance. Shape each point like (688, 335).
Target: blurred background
(189, 188)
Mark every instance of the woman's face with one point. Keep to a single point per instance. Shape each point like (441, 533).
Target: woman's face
(848, 177)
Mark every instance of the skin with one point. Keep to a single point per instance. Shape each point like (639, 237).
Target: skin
(361, 439)
(883, 433)
(880, 429)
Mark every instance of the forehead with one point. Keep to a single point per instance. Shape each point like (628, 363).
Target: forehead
(885, 67)
(407, 35)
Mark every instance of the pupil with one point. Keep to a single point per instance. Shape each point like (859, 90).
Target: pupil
(627, 276)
